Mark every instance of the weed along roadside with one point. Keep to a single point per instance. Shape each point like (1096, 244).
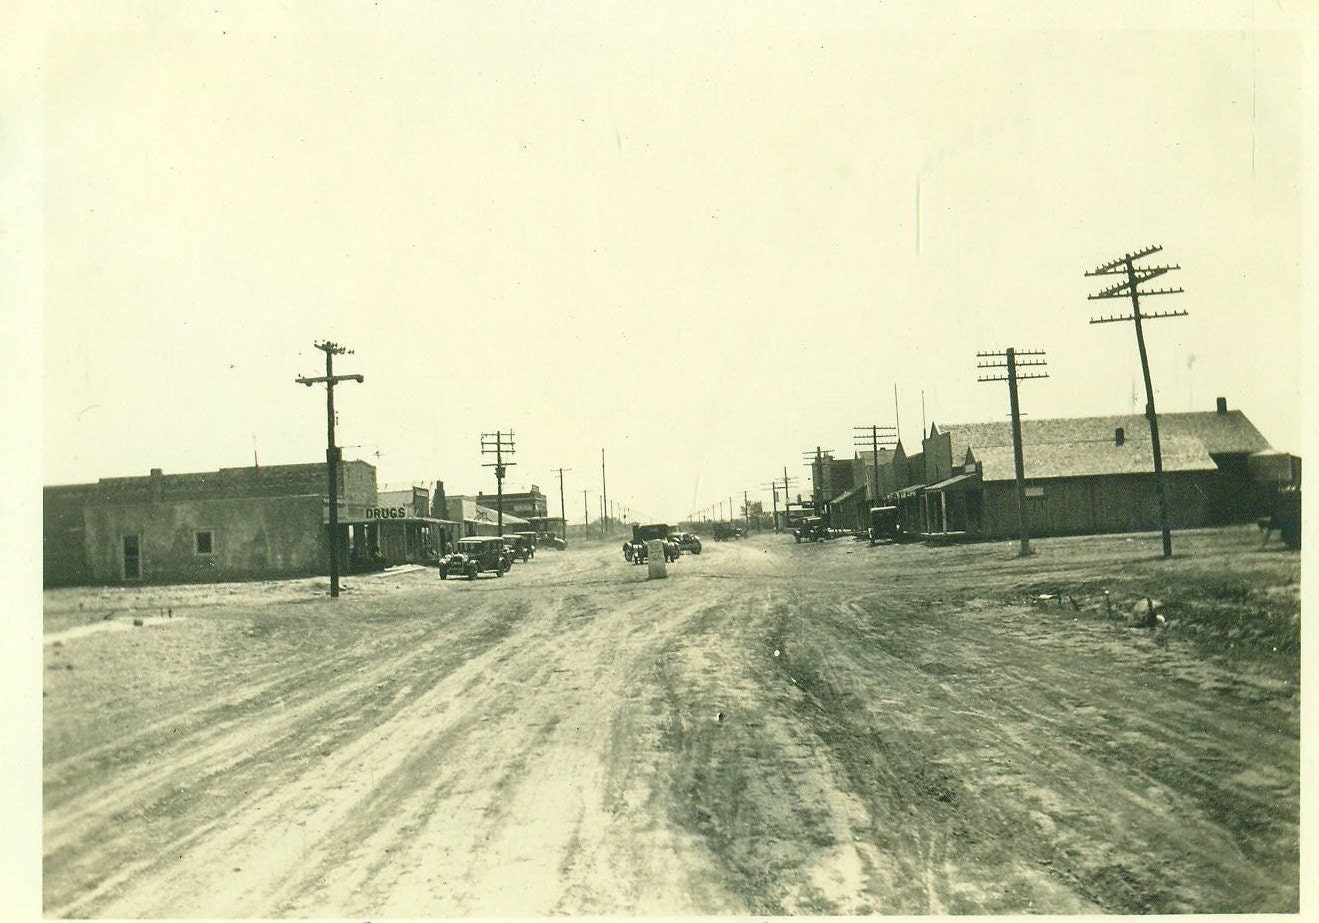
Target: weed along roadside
(773, 728)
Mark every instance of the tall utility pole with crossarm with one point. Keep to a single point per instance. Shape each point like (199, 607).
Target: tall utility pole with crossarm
(1010, 364)
(1133, 276)
(498, 444)
(889, 436)
(332, 454)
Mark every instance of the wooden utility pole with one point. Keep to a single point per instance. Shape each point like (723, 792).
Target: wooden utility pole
(332, 454)
(1011, 364)
(604, 499)
(816, 461)
(890, 439)
(563, 511)
(774, 486)
(498, 443)
(774, 502)
(1129, 287)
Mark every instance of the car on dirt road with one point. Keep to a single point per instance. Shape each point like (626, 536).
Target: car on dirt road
(635, 550)
(810, 529)
(688, 542)
(477, 555)
(884, 525)
(522, 545)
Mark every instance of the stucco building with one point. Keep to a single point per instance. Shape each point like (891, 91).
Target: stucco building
(231, 524)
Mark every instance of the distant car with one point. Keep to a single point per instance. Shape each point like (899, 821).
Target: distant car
(476, 555)
(522, 544)
(687, 541)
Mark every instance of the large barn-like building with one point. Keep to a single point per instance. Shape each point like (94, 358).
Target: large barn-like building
(1089, 474)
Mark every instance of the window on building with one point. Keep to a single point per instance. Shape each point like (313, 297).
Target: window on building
(205, 541)
(132, 557)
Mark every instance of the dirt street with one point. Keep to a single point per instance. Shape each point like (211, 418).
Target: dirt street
(773, 729)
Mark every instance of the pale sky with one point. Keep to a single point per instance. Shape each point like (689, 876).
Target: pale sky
(703, 241)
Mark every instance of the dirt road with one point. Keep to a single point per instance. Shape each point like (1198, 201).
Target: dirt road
(774, 729)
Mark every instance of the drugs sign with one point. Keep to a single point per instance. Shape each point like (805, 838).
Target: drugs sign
(386, 512)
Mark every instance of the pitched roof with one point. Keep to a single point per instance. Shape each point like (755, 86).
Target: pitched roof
(886, 457)
(842, 498)
(1081, 446)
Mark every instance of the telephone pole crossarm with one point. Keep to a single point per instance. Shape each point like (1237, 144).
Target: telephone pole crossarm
(1119, 264)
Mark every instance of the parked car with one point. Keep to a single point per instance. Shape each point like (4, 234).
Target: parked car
(522, 544)
(476, 555)
(689, 542)
(810, 529)
(884, 524)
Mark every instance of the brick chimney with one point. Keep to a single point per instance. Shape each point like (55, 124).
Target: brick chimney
(1222, 405)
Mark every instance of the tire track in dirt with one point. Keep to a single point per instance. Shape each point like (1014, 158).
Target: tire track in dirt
(999, 699)
(524, 822)
(473, 791)
(189, 785)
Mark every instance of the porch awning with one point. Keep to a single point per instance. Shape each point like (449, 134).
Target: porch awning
(844, 497)
(956, 482)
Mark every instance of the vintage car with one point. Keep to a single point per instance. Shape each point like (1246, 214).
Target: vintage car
(523, 544)
(884, 525)
(476, 555)
(689, 542)
(810, 529)
(634, 550)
